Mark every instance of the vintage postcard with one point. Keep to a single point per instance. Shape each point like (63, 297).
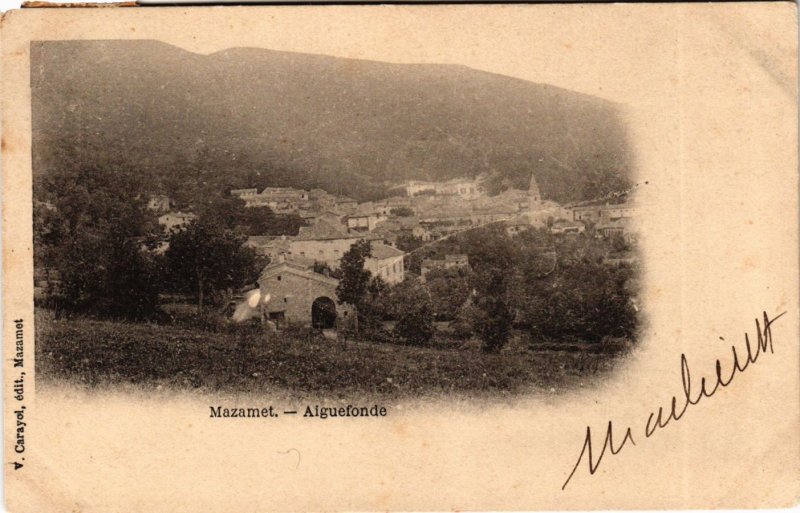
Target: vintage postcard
(400, 258)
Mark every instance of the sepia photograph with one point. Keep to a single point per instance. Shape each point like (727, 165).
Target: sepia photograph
(395, 258)
(258, 220)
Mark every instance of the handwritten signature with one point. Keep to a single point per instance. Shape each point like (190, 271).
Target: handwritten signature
(690, 397)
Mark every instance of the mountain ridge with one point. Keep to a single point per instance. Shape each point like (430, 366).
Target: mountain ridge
(245, 117)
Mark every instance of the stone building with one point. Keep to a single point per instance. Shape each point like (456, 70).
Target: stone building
(298, 295)
(244, 193)
(563, 226)
(607, 212)
(395, 227)
(619, 226)
(322, 242)
(364, 222)
(386, 262)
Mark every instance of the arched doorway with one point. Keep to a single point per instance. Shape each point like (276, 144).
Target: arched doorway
(323, 313)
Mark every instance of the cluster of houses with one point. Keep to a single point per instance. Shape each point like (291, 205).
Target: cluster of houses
(426, 211)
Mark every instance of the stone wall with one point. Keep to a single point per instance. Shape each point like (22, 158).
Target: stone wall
(294, 294)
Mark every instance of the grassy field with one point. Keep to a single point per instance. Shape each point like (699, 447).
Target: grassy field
(242, 359)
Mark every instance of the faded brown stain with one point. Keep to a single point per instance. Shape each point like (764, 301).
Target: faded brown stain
(400, 429)
(383, 500)
(750, 263)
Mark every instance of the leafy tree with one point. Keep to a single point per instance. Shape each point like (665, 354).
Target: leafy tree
(588, 301)
(93, 235)
(373, 308)
(408, 242)
(449, 289)
(264, 222)
(493, 318)
(354, 280)
(232, 213)
(492, 257)
(463, 325)
(132, 283)
(228, 211)
(206, 258)
(414, 312)
(570, 293)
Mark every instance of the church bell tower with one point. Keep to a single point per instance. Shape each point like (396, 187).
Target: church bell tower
(534, 197)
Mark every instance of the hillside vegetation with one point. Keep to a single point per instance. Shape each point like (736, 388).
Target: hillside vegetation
(190, 125)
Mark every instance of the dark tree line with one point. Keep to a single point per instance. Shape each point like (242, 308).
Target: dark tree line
(555, 288)
(99, 250)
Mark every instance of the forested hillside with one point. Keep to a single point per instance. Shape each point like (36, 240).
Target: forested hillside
(184, 124)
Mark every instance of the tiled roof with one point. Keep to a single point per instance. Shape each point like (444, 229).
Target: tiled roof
(397, 224)
(365, 209)
(382, 251)
(322, 230)
(298, 268)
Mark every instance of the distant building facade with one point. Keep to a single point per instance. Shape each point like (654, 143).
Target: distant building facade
(360, 223)
(280, 199)
(386, 263)
(322, 242)
(622, 226)
(563, 226)
(463, 187)
(244, 193)
(455, 261)
(597, 213)
(390, 230)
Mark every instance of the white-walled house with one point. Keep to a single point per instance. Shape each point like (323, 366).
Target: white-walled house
(386, 262)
